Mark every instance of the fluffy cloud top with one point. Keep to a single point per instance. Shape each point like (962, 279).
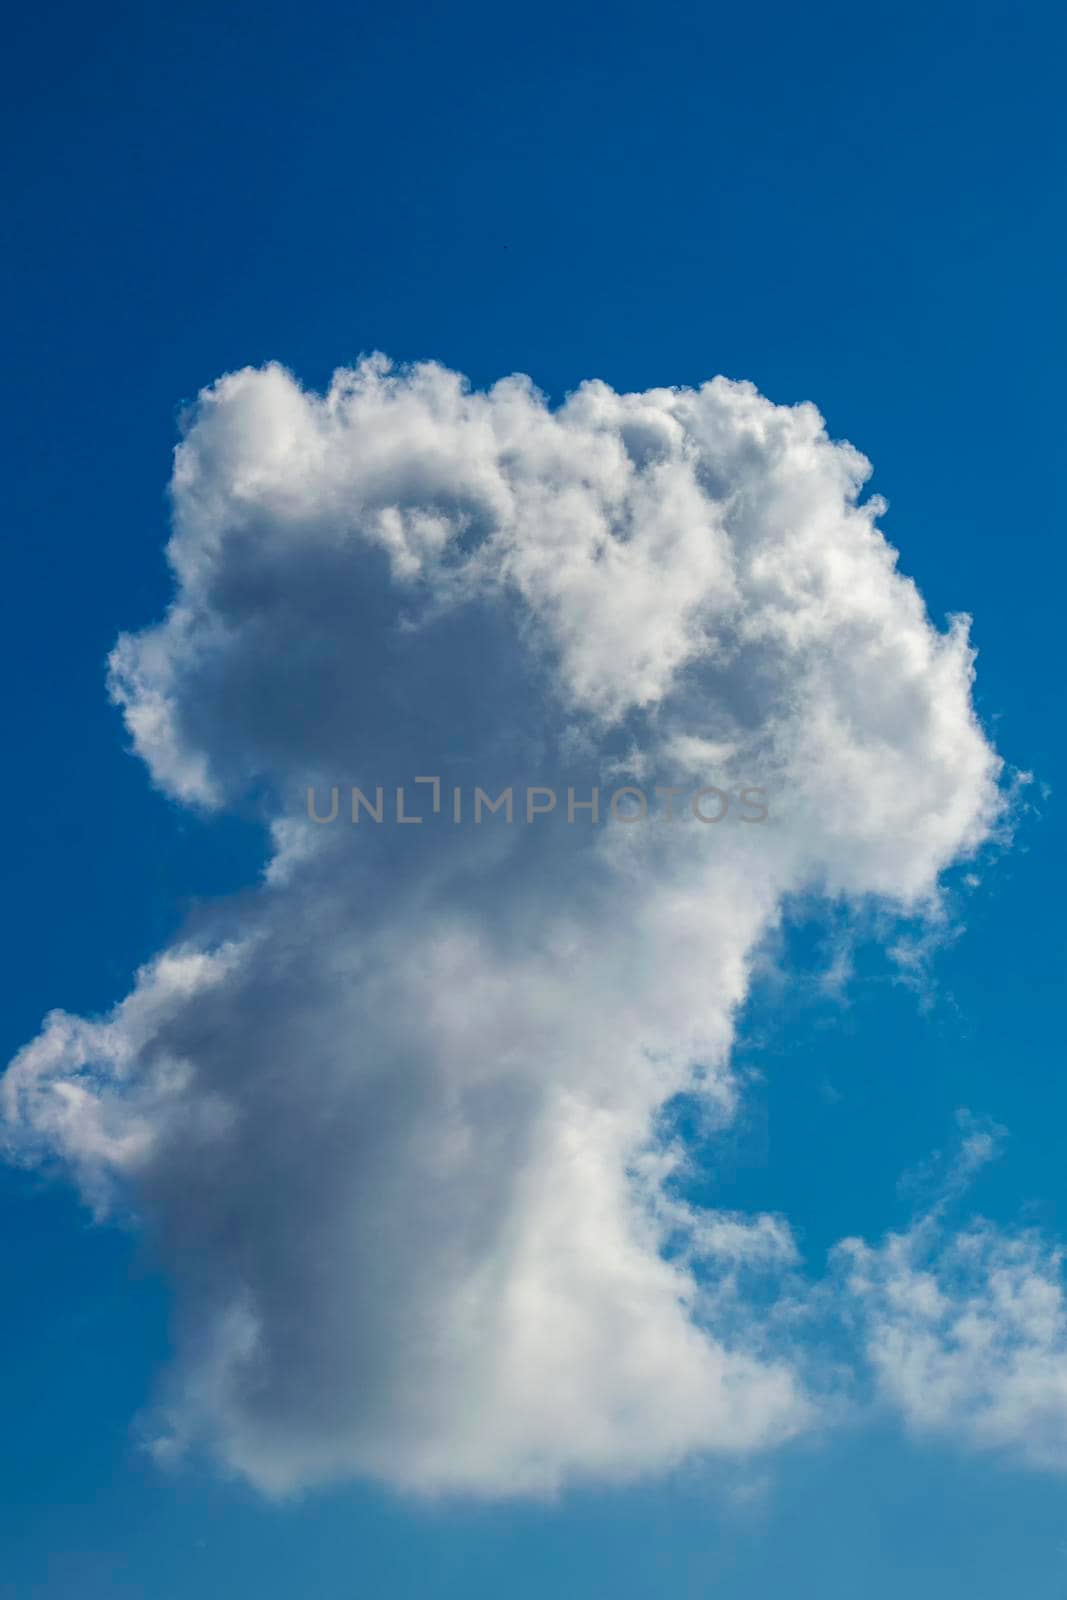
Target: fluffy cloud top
(394, 1122)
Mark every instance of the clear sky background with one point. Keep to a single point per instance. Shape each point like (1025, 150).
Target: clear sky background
(861, 206)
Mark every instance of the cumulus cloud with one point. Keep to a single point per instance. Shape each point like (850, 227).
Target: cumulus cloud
(966, 1332)
(394, 1120)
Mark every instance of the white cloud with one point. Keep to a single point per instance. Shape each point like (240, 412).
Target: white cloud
(966, 1332)
(392, 1123)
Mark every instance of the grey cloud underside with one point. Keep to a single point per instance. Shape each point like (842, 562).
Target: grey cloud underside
(394, 1122)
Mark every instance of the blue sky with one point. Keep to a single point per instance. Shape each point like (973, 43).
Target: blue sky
(859, 208)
